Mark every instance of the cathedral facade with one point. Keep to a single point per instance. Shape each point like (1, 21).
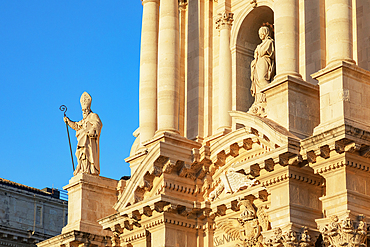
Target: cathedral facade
(254, 131)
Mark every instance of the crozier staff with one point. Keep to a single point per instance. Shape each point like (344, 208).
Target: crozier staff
(88, 134)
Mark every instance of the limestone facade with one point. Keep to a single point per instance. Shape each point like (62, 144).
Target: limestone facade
(29, 215)
(206, 171)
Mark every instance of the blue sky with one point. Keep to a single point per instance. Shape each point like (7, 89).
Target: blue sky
(50, 53)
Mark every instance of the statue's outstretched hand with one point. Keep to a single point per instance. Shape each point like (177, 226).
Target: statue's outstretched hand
(66, 119)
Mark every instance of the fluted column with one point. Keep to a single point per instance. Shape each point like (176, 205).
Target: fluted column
(339, 30)
(224, 23)
(148, 70)
(287, 37)
(168, 67)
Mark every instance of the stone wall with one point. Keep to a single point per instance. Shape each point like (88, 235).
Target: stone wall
(29, 215)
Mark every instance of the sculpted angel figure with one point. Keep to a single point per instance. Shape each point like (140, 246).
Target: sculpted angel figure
(263, 64)
(87, 133)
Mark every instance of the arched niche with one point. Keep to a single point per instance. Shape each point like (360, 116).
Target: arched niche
(243, 44)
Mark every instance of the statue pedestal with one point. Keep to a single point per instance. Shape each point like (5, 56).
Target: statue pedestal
(90, 198)
(294, 104)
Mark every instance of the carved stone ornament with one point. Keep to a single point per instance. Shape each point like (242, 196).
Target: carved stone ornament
(231, 182)
(262, 70)
(183, 4)
(259, 106)
(224, 20)
(253, 3)
(88, 134)
(248, 227)
(290, 239)
(345, 232)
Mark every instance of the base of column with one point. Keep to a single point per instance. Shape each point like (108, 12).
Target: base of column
(282, 76)
(168, 130)
(293, 103)
(344, 90)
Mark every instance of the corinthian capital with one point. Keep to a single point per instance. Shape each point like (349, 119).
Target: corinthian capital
(183, 4)
(345, 232)
(224, 20)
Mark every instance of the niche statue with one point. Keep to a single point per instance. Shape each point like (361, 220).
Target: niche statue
(262, 68)
(87, 133)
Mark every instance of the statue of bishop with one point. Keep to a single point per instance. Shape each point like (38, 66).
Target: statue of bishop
(87, 133)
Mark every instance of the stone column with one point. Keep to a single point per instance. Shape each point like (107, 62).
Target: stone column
(286, 14)
(223, 23)
(148, 70)
(183, 60)
(168, 67)
(339, 30)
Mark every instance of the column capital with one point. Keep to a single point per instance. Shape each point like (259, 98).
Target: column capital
(182, 5)
(224, 20)
(149, 1)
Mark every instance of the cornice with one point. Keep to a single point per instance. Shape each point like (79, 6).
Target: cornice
(303, 174)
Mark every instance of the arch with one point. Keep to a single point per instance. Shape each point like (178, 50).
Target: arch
(240, 17)
(243, 41)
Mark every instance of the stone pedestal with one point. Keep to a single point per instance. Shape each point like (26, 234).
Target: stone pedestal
(294, 104)
(90, 198)
(344, 90)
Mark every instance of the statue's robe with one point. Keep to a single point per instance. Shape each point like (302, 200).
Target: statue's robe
(87, 153)
(262, 66)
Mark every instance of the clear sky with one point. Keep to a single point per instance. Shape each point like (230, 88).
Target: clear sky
(50, 53)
